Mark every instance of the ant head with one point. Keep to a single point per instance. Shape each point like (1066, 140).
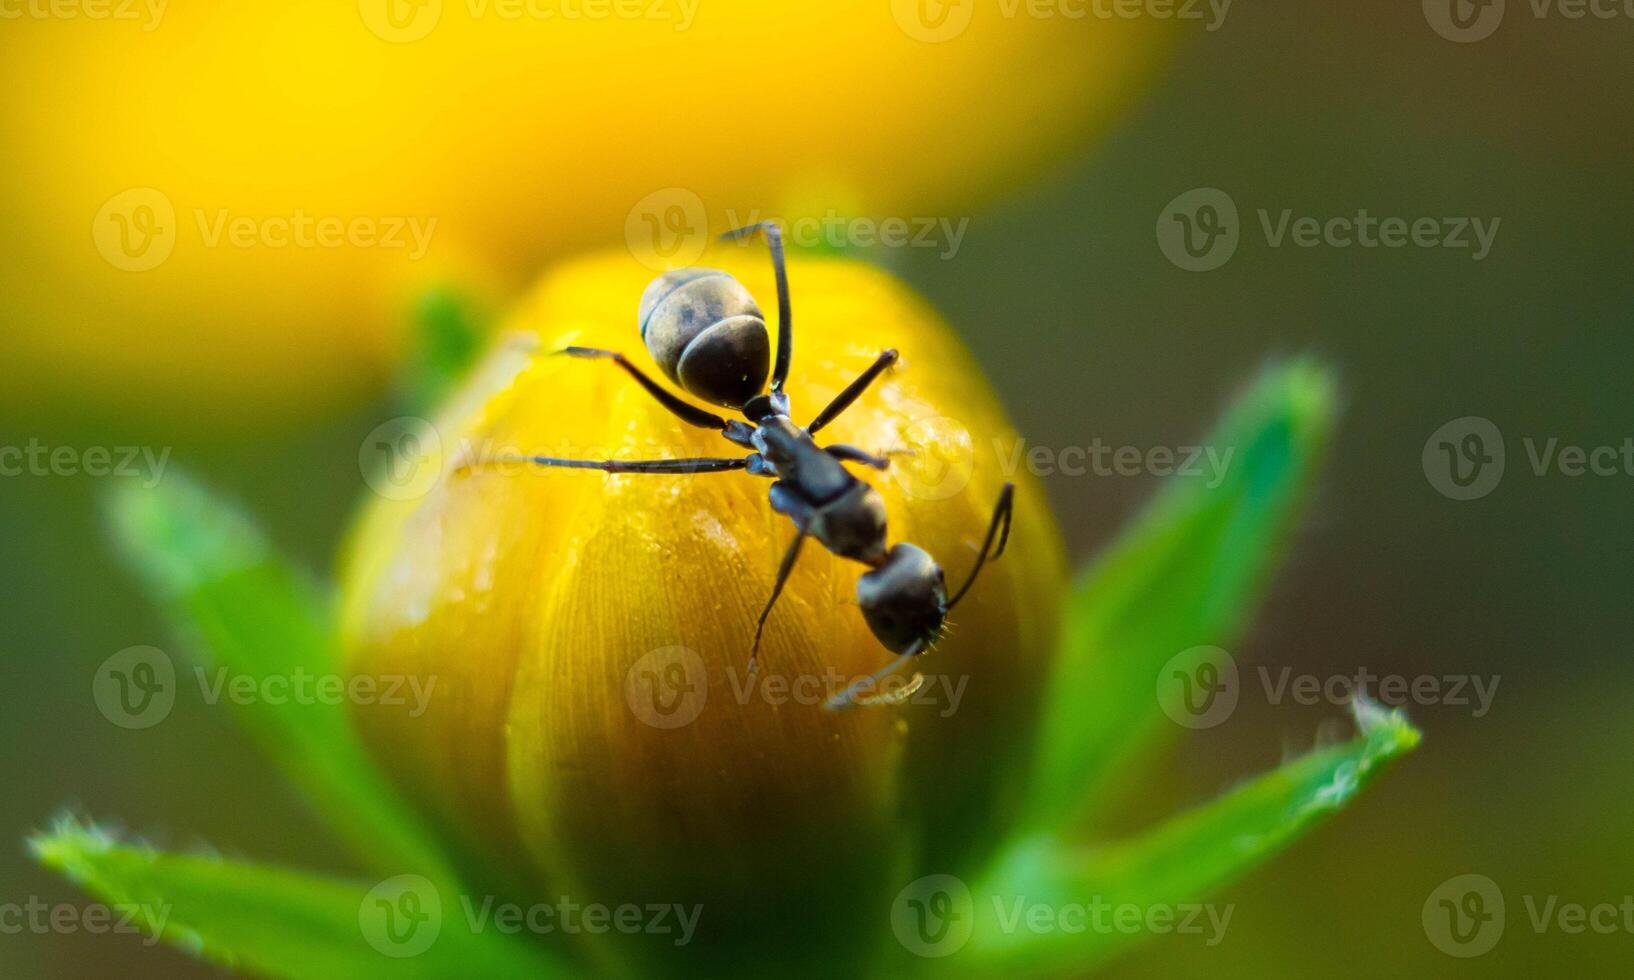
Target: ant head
(904, 600)
(706, 332)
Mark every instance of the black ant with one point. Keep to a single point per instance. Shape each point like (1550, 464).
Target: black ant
(705, 331)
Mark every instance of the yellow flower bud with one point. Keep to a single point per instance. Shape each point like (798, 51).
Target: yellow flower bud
(595, 731)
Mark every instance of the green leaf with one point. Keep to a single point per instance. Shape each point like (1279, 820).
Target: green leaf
(1187, 573)
(253, 618)
(274, 922)
(448, 336)
(1172, 868)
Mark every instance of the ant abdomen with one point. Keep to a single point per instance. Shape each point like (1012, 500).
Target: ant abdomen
(707, 333)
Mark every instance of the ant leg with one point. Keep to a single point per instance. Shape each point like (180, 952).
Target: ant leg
(854, 455)
(1001, 516)
(852, 391)
(690, 414)
(785, 322)
(682, 466)
(783, 572)
(851, 696)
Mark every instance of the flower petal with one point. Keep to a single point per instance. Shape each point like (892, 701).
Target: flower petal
(1176, 865)
(1189, 572)
(280, 923)
(250, 614)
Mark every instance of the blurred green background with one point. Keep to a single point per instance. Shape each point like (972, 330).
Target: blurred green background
(1089, 332)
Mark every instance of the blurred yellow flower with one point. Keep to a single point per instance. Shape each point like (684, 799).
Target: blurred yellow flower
(232, 203)
(596, 732)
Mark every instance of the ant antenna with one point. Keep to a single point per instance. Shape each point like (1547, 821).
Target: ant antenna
(785, 321)
(1001, 517)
